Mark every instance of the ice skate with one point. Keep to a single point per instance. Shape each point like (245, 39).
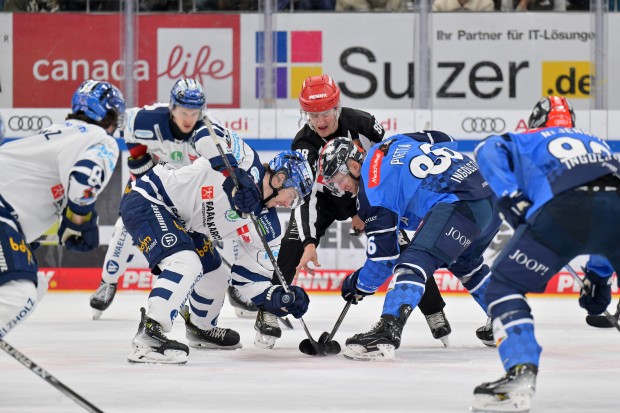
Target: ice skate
(511, 393)
(216, 338)
(381, 341)
(102, 298)
(440, 327)
(243, 309)
(485, 334)
(267, 330)
(150, 345)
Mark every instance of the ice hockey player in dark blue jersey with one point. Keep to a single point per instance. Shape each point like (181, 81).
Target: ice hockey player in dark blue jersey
(559, 187)
(412, 182)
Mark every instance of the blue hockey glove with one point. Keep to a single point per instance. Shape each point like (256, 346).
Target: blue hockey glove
(349, 289)
(512, 208)
(595, 295)
(245, 199)
(83, 237)
(280, 303)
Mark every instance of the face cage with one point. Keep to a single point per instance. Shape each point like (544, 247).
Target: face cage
(305, 117)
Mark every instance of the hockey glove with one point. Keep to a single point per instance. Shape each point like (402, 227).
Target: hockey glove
(280, 303)
(512, 208)
(349, 289)
(245, 199)
(595, 295)
(79, 237)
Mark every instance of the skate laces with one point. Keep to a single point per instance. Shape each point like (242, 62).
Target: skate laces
(269, 319)
(217, 333)
(435, 320)
(105, 291)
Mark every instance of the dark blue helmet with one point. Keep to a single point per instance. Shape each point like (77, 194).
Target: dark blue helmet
(187, 93)
(297, 170)
(96, 98)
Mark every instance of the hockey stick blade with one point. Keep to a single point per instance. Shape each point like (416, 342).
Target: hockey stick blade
(599, 321)
(39, 371)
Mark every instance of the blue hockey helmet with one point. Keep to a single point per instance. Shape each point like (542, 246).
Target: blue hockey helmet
(96, 98)
(187, 93)
(298, 173)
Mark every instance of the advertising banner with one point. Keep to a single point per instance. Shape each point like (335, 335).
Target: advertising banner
(478, 61)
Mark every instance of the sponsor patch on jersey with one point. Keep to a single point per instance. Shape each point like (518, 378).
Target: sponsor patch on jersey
(244, 234)
(112, 267)
(206, 192)
(143, 134)
(231, 215)
(58, 191)
(168, 240)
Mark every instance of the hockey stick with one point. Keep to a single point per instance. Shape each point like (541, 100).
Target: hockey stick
(609, 317)
(285, 321)
(39, 371)
(600, 321)
(332, 347)
(266, 246)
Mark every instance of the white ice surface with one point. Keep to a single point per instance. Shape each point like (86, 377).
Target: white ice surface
(579, 372)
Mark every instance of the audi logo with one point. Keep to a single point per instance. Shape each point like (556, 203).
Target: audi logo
(29, 123)
(483, 125)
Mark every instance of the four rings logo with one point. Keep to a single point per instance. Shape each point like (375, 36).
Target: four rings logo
(29, 123)
(483, 125)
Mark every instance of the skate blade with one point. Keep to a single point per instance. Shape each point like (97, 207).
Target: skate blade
(488, 343)
(599, 321)
(241, 313)
(516, 403)
(445, 340)
(97, 314)
(285, 322)
(147, 356)
(359, 353)
(264, 342)
(212, 346)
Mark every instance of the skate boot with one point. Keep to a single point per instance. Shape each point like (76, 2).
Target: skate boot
(102, 298)
(381, 341)
(485, 334)
(216, 338)
(150, 345)
(440, 327)
(511, 393)
(243, 309)
(267, 330)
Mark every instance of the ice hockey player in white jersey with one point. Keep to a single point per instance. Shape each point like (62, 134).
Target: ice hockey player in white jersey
(56, 174)
(174, 216)
(155, 133)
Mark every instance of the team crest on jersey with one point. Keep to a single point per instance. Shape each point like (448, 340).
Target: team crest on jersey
(112, 267)
(244, 234)
(168, 240)
(231, 215)
(176, 156)
(58, 191)
(207, 192)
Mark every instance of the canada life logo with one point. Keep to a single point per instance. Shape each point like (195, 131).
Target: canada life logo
(203, 54)
(296, 55)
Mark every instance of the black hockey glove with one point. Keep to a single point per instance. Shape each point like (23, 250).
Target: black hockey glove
(280, 303)
(83, 237)
(595, 295)
(245, 199)
(349, 289)
(512, 208)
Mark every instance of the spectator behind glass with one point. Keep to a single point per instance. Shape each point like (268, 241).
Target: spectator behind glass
(31, 5)
(370, 5)
(284, 5)
(463, 5)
